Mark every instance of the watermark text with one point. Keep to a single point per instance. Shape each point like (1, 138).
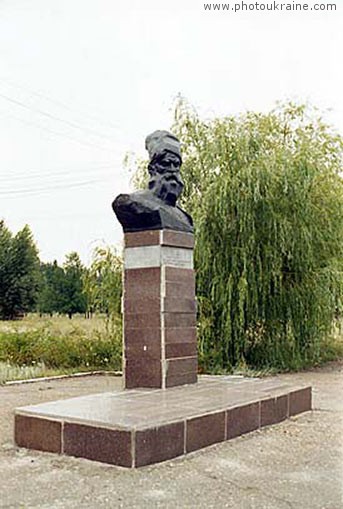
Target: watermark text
(269, 6)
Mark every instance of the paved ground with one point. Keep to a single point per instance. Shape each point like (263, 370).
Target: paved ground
(296, 464)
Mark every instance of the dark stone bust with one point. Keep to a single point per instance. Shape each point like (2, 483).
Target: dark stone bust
(156, 207)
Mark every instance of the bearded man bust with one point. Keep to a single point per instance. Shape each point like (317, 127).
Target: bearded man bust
(156, 207)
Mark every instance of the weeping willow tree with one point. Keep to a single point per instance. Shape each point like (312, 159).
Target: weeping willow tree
(267, 198)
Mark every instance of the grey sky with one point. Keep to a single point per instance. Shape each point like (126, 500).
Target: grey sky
(82, 82)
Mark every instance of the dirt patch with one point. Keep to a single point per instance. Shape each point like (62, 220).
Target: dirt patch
(298, 463)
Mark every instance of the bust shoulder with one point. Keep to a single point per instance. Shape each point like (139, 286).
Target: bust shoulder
(142, 210)
(134, 202)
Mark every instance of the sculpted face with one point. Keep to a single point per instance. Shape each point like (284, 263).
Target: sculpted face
(156, 209)
(165, 179)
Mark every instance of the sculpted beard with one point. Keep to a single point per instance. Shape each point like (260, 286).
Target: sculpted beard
(167, 187)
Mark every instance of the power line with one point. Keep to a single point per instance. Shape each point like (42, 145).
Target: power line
(57, 133)
(53, 117)
(48, 188)
(59, 103)
(31, 174)
(54, 180)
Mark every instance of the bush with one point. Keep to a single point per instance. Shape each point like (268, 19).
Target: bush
(97, 351)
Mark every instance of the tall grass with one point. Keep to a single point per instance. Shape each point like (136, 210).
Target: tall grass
(58, 344)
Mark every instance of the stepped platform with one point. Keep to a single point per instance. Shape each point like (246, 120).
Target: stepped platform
(137, 427)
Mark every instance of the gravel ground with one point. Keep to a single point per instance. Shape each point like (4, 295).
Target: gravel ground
(295, 464)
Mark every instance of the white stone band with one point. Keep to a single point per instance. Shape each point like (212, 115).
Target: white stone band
(156, 256)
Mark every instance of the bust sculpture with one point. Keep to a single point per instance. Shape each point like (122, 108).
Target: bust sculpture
(156, 207)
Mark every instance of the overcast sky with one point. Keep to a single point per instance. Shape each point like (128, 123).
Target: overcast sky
(82, 82)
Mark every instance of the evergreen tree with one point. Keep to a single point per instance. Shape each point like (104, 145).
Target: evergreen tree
(51, 298)
(19, 272)
(73, 300)
(5, 270)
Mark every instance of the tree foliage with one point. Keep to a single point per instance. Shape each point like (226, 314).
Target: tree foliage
(50, 297)
(61, 289)
(26, 284)
(266, 196)
(74, 300)
(19, 272)
(267, 199)
(103, 282)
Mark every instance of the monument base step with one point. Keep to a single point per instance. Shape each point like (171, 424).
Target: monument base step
(138, 427)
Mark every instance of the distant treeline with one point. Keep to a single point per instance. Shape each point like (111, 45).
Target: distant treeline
(29, 285)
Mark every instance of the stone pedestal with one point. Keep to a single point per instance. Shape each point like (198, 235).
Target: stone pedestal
(134, 428)
(159, 306)
(140, 427)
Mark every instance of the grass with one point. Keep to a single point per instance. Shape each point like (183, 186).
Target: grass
(328, 350)
(47, 346)
(39, 346)
(331, 348)
(10, 372)
(58, 325)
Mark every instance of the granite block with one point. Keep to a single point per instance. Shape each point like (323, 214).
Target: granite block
(144, 238)
(182, 366)
(98, 444)
(142, 320)
(179, 305)
(179, 320)
(139, 373)
(143, 336)
(38, 433)
(143, 351)
(159, 444)
(138, 305)
(204, 431)
(174, 274)
(142, 283)
(181, 379)
(173, 350)
(243, 419)
(300, 401)
(177, 239)
(180, 335)
(178, 289)
(274, 410)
